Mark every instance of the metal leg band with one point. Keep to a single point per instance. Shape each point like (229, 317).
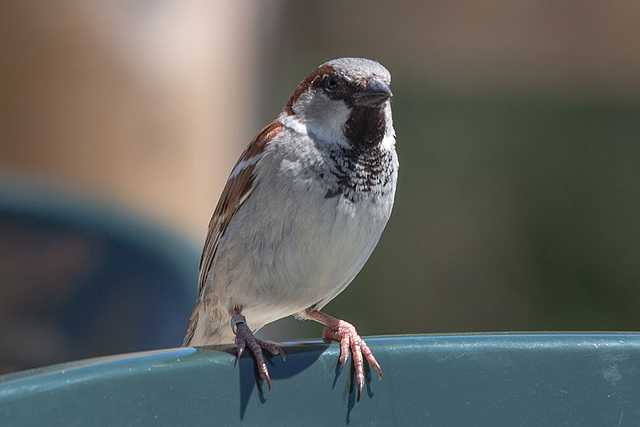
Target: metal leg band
(236, 320)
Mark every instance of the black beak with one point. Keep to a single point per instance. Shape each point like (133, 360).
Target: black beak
(374, 94)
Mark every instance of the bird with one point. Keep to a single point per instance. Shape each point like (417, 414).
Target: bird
(301, 212)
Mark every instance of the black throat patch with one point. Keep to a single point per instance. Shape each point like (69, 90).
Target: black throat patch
(365, 127)
(364, 165)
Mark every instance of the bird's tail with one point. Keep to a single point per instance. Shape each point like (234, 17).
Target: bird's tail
(207, 329)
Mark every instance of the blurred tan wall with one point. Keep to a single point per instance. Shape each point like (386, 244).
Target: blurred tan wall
(148, 103)
(145, 103)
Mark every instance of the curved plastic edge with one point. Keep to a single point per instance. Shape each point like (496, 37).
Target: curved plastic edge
(466, 379)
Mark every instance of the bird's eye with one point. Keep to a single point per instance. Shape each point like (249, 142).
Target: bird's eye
(332, 83)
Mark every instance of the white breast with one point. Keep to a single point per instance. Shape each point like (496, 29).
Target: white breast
(289, 247)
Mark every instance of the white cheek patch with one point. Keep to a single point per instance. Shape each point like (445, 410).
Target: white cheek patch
(320, 116)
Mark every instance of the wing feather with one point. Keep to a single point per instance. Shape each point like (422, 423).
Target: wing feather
(239, 187)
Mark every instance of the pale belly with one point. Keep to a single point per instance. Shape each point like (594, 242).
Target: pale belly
(299, 253)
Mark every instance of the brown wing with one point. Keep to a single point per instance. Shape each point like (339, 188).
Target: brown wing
(239, 186)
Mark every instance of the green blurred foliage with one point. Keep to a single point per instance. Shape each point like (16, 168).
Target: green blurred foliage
(518, 133)
(515, 211)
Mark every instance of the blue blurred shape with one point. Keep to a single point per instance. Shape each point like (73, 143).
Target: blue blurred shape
(81, 277)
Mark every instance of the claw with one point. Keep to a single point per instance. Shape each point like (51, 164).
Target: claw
(350, 342)
(245, 338)
(264, 374)
(242, 345)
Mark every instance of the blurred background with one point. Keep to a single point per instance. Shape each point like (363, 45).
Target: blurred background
(518, 132)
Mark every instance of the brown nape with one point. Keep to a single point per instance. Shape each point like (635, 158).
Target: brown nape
(256, 146)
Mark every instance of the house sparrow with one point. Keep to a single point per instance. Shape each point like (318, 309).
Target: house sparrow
(301, 212)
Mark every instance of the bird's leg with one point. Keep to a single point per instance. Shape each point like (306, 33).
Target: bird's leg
(345, 333)
(245, 338)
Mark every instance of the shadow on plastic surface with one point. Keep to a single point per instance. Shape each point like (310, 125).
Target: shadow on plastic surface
(499, 379)
(299, 358)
